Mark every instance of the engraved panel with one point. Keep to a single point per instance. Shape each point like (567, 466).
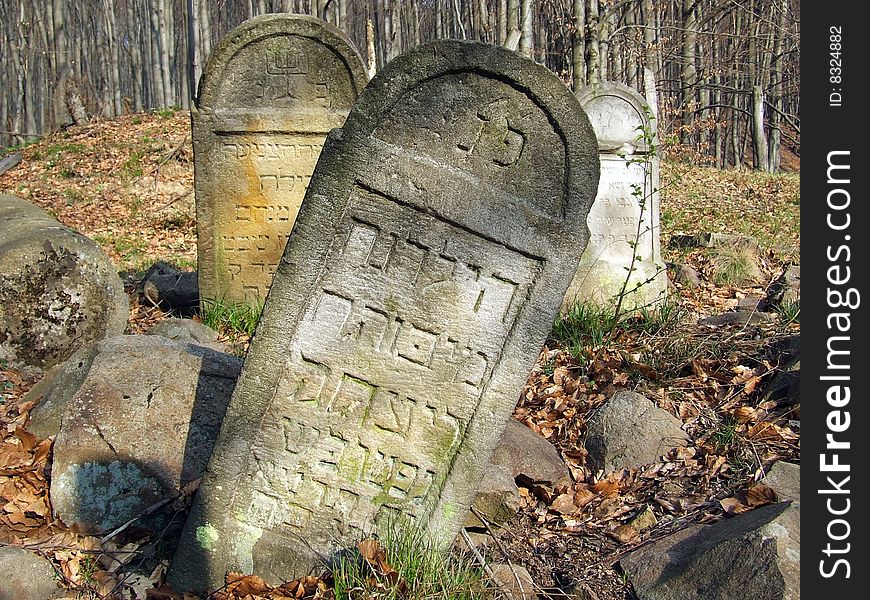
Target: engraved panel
(290, 72)
(613, 219)
(263, 180)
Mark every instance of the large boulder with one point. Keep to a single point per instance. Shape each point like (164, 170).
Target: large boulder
(142, 423)
(58, 290)
(629, 431)
(53, 393)
(752, 555)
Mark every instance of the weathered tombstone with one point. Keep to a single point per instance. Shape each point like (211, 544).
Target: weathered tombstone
(624, 220)
(424, 271)
(270, 93)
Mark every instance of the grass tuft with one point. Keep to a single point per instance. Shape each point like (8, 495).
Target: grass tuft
(231, 319)
(417, 570)
(735, 265)
(790, 311)
(583, 329)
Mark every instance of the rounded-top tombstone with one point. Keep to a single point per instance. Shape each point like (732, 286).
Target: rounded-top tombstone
(624, 252)
(620, 116)
(428, 260)
(271, 91)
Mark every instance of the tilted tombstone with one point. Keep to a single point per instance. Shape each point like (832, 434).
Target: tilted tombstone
(624, 220)
(270, 93)
(429, 258)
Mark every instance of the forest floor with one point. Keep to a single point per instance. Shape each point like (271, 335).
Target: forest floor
(128, 184)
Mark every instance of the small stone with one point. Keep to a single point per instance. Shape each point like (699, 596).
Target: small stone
(737, 318)
(784, 479)
(644, 519)
(629, 431)
(514, 581)
(497, 499)
(683, 274)
(187, 331)
(529, 456)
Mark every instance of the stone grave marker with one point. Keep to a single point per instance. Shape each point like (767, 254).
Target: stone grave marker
(428, 261)
(270, 93)
(618, 228)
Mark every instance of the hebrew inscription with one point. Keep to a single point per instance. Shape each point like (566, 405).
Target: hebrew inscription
(386, 368)
(271, 92)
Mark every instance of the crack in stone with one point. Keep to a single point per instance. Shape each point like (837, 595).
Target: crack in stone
(105, 439)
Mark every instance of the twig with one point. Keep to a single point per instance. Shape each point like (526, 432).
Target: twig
(498, 543)
(148, 511)
(477, 554)
(165, 158)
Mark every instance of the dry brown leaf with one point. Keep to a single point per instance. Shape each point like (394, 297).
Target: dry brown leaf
(733, 506)
(624, 534)
(240, 584)
(561, 375)
(744, 414)
(688, 411)
(759, 495)
(564, 504)
(583, 496)
(608, 509)
(375, 555)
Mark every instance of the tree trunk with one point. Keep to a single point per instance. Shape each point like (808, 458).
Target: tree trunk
(502, 22)
(775, 140)
(688, 72)
(370, 47)
(593, 47)
(759, 140)
(134, 38)
(164, 17)
(526, 41)
(157, 94)
(193, 45)
(650, 19)
(114, 57)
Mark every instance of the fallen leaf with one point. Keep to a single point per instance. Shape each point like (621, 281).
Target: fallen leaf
(624, 534)
(759, 495)
(564, 504)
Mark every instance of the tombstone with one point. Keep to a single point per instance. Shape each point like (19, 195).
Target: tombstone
(428, 261)
(619, 228)
(270, 93)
